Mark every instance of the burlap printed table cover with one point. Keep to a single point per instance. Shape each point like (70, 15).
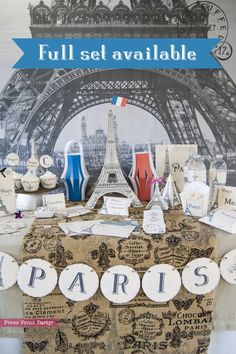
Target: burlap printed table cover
(182, 325)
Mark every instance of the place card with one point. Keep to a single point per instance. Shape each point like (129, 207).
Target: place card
(115, 206)
(54, 201)
(221, 218)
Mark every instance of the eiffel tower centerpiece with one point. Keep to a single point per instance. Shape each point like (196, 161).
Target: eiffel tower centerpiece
(111, 179)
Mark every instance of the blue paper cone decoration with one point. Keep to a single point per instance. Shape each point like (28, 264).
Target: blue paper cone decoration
(75, 175)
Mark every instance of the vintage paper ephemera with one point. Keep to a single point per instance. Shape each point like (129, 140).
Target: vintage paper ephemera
(221, 218)
(115, 206)
(99, 227)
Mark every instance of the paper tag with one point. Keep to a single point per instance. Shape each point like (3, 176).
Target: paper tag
(8, 271)
(13, 159)
(153, 222)
(161, 282)
(32, 164)
(228, 267)
(120, 284)
(46, 161)
(201, 276)
(54, 201)
(78, 282)
(221, 218)
(37, 277)
(115, 206)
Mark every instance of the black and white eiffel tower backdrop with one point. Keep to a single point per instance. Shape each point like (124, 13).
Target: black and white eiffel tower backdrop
(40, 103)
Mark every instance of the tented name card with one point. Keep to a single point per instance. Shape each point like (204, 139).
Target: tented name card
(221, 218)
(115, 206)
(227, 197)
(195, 198)
(7, 192)
(55, 201)
(153, 221)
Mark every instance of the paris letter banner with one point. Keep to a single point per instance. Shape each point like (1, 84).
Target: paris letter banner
(118, 284)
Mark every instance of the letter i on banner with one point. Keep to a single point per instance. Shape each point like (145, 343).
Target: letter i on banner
(120, 284)
(37, 278)
(8, 271)
(161, 282)
(201, 276)
(78, 282)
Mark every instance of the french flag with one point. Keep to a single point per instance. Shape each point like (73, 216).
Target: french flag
(119, 101)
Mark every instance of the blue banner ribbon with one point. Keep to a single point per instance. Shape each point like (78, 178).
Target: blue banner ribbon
(161, 53)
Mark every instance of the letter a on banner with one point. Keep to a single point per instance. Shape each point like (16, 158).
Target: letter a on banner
(78, 282)
(37, 278)
(120, 284)
(161, 282)
(201, 276)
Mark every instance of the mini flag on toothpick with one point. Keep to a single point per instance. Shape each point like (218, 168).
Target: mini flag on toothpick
(119, 101)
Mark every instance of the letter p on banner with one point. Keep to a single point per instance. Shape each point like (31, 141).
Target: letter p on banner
(37, 278)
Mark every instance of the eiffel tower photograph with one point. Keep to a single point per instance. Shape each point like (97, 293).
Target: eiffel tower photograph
(190, 106)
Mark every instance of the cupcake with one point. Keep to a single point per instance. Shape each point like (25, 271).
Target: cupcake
(30, 182)
(17, 180)
(48, 180)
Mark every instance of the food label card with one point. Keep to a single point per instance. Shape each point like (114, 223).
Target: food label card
(55, 201)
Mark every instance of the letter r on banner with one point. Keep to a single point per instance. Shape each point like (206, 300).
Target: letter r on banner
(118, 284)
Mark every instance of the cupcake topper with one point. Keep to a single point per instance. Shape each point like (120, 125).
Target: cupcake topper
(46, 161)
(32, 164)
(33, 149)
(12, 159)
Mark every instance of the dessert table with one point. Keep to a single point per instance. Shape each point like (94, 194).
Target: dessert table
(13, 302)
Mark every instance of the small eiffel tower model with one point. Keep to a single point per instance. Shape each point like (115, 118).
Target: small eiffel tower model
(111, 179)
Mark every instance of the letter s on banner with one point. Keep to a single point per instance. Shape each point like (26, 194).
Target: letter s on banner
(120, 284)
(78, 282)
(37, 278)
(201, 276)
(161, 283)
